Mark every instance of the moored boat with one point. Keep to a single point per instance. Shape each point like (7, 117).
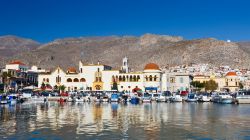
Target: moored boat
(114, 97)
(223, 98)
(146, 98)
(164, 97)
(204, 98)
(191, 97)
(176, 98)
(243, 97)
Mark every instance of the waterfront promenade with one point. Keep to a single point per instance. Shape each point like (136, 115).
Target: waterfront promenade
(53, 120)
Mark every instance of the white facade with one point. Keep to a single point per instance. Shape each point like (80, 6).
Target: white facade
(102, 77)
(16, 65)
(177, 81)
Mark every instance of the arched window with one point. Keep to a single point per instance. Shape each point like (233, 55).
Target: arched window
(155, 78)
(69, 80)
(146, 78)
(47, 80)
(43, 79)
(134, 78)
(82, 80)
(81, 70)
(120, 78)
(113, 78)
(138, 78)
(116, 78)
(123, 78)
(150, 78)
(76, 80)
(130, 78)
(127, 78)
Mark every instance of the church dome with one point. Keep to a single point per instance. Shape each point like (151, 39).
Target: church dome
(151, 66)
(231, 74)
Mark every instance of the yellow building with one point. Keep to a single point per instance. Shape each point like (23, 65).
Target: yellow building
(230, 82)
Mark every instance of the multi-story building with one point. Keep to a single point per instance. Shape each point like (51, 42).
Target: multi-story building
(102, 77)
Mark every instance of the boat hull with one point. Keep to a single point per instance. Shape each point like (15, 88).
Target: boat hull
(243, 100)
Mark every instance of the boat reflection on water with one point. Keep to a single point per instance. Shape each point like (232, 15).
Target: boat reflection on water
(53, 120)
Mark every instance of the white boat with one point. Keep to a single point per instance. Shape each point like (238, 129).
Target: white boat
(204, 98)
(105, 99)
(78, 99)
(223, 98)
(243, 97)
(164, 97)
(176, 98)
(191, 97)
(70, 99)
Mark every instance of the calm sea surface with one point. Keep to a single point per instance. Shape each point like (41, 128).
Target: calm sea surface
(153, 121)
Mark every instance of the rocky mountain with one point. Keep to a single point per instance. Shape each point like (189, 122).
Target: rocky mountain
(12, 45)
(161, 49)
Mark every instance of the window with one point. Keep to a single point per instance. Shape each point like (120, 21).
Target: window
(150, 78)
(155, 78)
(76, 80)
(81, 70)
(69, 80)
(82, 80)
(172, 80)
(121, 86)
(128, 86)
(181, 80)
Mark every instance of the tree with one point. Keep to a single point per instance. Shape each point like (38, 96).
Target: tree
(5, 78)
(62, 88)
(55, 87)
(197, 84)
(114, 87)
(42, 85)
(210, 85)
(241, 85)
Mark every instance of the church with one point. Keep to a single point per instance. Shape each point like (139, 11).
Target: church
(99, 77)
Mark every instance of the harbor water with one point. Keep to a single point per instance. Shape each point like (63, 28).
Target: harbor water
(173, 121)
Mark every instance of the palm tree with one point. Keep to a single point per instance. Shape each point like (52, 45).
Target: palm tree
(5, 77)
(62, 88)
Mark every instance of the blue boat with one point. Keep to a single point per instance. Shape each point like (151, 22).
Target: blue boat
(134, 100)
(114, 97)
(191, 98)
(3, 99)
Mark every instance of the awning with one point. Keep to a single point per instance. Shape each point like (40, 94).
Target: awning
(150, 88)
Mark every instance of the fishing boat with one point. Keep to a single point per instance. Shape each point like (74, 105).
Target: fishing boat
(223, 98)
(135, 100)
(191, 97)
(176, 98)
(114, 97)
(243, 97)
(164, 97)
(146, 98)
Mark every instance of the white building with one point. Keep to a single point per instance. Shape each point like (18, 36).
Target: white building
(176, 81)
(102, 77)
(16, 65)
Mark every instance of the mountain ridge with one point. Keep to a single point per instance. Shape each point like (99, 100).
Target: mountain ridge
(161, 49)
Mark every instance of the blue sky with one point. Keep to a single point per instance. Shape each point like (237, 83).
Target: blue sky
(46, 20)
